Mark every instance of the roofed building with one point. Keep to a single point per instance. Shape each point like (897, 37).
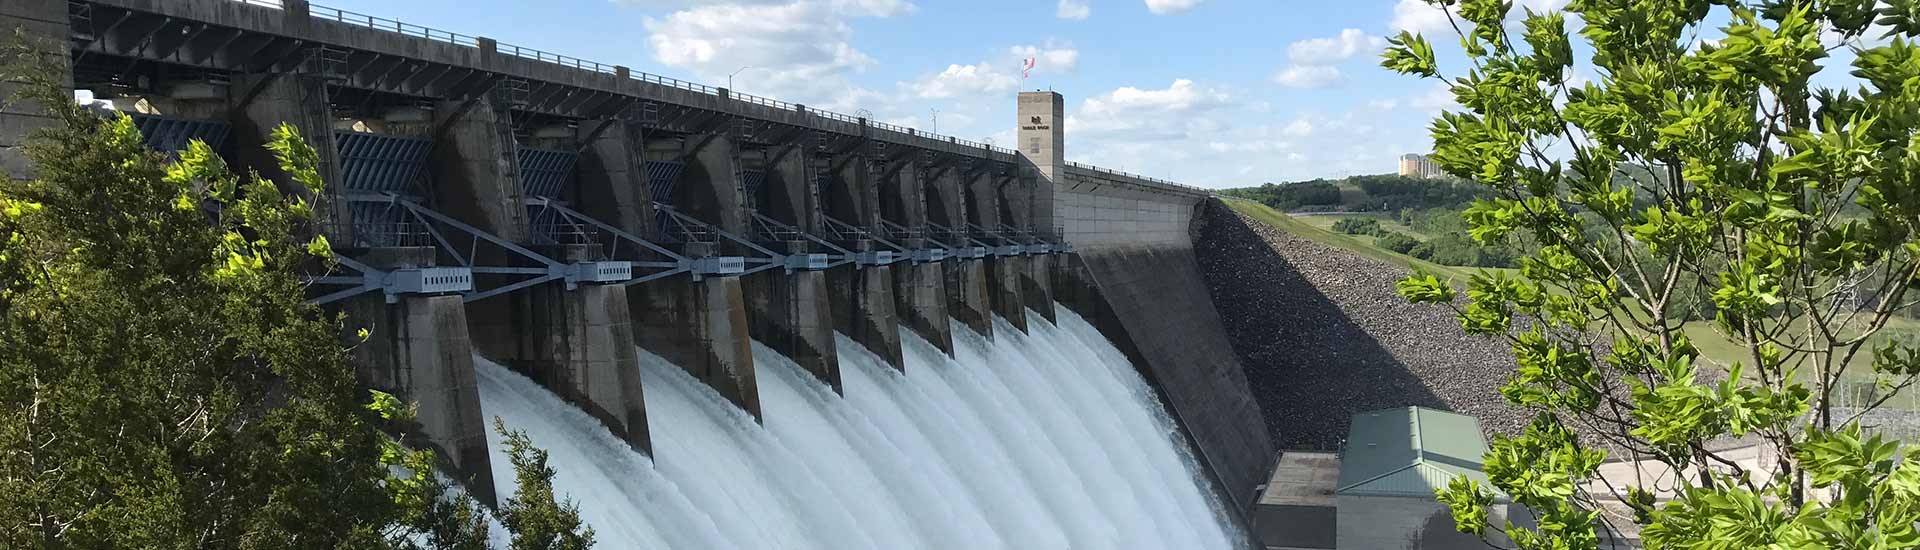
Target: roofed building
(1394, 461)
(1378, 492)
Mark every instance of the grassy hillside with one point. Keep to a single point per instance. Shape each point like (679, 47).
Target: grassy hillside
(1713, 346)
(1316, 229)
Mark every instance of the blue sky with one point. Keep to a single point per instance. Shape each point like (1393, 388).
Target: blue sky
(1214, 93)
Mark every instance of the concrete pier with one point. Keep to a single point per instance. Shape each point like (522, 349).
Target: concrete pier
(580, 344)
(1036, 285)
(920, 289)
(418, 350)
(700, 326)
(862, 298)
(1009, 302)
(966, 279)
(863, 309)
(920, 295)
(792, 314)
(967, 294)
(265, 101)
(477, 155)
(612, 174)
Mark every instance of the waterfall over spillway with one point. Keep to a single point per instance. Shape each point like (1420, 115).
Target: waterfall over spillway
(1047, 440)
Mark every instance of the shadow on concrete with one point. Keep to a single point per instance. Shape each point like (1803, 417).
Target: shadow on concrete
(1310, 365)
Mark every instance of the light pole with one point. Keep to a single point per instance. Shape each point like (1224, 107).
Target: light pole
(735, 72)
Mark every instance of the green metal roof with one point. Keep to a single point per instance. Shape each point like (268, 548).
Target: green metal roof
(1409, 451)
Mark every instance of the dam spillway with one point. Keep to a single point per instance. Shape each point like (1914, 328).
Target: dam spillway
(1042, 440)
(557, 215)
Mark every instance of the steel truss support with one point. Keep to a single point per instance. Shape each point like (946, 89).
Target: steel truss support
(852, 234)
(771, 230)
(441, 280)
(969, 247)
(681, 228)
(923, 254)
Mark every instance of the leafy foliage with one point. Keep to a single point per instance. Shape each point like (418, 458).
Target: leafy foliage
(1358, 226)
(1291, 196)
(538, 520)
(1691, 179)
(164, 382)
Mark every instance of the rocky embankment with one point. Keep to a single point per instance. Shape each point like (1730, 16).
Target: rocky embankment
(1323, 335)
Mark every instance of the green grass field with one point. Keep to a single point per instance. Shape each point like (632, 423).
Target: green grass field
(1318, 229)
(1325, 222)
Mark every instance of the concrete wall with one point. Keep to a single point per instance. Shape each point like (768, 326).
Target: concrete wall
(1097, 211)
(41, 19)
(1134, 273)
(1405, 523)
(1156, 299)
(418, 350)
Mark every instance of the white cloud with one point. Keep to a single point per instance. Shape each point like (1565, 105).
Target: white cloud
(1325, 51)
(1074, 9)
(1439, 97)
(1169, 7)
(1053, 57)
(801, 50)
(1135, 115)
(964, 80)
(1308, 76)
(1539, 6)
(1181, 96)
(992, 77)
(1299, 128)
(1419, 17)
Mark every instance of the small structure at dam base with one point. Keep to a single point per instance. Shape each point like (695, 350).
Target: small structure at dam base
(1378, 492)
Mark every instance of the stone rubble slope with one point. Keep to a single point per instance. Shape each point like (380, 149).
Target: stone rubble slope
(1323, 335)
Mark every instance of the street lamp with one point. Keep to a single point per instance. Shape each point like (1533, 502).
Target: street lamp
(735, 72)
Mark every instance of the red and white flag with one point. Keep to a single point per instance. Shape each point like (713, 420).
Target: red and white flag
(1027, 67)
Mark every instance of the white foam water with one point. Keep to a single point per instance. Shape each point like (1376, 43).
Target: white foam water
(1047, 440)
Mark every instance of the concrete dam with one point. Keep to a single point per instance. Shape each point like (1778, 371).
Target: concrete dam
(736, 322)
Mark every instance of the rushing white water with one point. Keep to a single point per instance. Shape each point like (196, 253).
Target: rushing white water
(1047, 440)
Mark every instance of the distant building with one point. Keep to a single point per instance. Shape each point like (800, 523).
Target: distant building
(1419, 166)
(1378, 492)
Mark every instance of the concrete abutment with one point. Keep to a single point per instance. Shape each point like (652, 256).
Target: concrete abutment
(418, 349)
(792, 313)
(967, 294)
(1036, 285)
(1008, 300)
(701, 326)
(863, 309)
(920, 295)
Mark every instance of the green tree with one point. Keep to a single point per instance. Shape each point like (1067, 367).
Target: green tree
(1716, 164)
(537, 519)
(162, 381)
(1358, 226)
(1399, 243)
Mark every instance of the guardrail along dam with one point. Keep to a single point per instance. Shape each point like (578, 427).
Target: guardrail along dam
(734, 322)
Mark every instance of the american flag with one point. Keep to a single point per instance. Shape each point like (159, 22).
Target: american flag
(1027, 67)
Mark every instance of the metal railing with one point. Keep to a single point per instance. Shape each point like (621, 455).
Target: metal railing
(1119, 174)
(396, 26)
(554, 58)
(383, 24)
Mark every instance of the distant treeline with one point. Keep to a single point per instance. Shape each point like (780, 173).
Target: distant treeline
(1382, 193)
